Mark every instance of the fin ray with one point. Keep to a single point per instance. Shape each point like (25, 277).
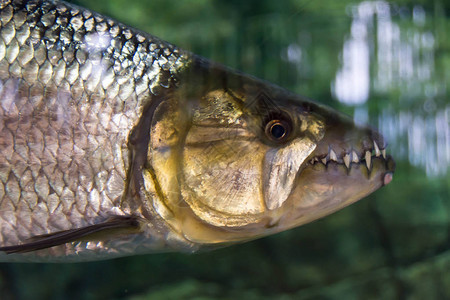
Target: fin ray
(65, 236)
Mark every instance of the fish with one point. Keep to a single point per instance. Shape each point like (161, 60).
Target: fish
(114, 142)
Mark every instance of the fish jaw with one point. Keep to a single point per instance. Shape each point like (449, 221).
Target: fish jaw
(323, 189)
(346, 163)
(349, 163)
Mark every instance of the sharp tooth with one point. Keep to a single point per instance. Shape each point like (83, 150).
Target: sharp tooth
(324, 160)
(355, 157)
(347, 160)
(333, 155)
(377, 150)
(368, 159)
(383, 152)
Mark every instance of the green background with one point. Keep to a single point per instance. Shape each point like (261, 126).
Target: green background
(395, 244)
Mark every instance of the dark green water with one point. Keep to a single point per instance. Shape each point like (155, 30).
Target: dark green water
(385, 63)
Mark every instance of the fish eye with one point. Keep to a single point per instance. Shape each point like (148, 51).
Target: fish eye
(277, 129)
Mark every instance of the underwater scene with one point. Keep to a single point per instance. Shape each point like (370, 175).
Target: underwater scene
(384, 63)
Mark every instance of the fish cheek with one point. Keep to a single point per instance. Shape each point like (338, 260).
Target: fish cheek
(222, 181)
(221, 163)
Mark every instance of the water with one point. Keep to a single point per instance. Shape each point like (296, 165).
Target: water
(382, 57)
(385, 63)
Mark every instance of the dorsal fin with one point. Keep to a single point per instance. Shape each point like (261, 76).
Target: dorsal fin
(112, 226)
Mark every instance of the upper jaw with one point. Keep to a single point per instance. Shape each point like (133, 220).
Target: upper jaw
(350, 155)
(347, 144)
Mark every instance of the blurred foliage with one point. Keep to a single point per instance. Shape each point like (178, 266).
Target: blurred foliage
(392, 245)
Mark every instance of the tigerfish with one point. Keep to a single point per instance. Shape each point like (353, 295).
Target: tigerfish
(114, 142)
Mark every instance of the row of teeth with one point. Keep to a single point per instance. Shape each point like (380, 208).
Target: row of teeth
(352, 157)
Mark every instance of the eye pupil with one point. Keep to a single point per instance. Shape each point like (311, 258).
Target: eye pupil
(278, 131)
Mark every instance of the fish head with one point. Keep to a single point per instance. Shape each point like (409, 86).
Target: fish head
(245, 159)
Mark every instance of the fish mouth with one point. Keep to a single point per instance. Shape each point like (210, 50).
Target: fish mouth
(349, 163)
(370, 161)
(350, 149)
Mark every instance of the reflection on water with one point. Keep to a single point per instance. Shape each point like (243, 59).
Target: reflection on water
(383, 58)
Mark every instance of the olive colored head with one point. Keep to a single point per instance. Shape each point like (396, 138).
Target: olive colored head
(238, 158)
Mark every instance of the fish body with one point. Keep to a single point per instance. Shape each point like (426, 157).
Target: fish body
(114, 142)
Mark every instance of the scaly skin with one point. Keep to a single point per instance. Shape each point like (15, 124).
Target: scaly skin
(73, 85)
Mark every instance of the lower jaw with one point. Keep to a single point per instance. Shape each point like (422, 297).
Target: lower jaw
(322, 189)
